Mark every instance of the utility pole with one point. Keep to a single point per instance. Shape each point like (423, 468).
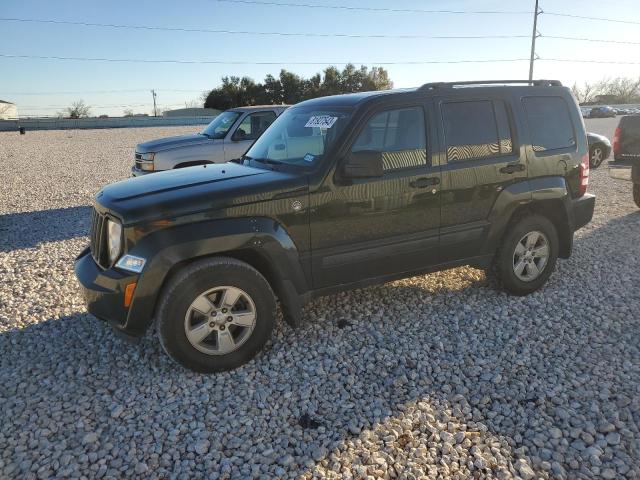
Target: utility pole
(155, 111)
(534, 34)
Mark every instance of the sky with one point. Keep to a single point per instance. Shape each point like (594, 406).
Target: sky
(47, 86)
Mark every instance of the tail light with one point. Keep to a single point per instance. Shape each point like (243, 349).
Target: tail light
(616, 141)
(584, 174)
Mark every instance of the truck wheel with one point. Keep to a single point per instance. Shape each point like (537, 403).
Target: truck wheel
(528, 255)
(215, 315)
(636, 194)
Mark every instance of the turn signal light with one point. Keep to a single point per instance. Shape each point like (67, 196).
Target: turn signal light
(128, 294)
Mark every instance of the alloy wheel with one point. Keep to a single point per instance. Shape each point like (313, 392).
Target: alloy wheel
(220, 320)
(531, 256)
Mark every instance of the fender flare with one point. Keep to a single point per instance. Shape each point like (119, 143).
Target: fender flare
(536, 194)
(169, 248)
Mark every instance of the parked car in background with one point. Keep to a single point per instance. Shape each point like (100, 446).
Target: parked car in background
(626, 139)
(341, 192)
(599, 149)
(602, 112)
(626, 153)
(226, 138)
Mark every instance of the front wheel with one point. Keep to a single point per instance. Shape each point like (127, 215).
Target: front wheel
(636, 194)
(216, 314)
(528, 255)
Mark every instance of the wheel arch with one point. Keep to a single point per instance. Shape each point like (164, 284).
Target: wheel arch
(546, 196)
(259, 242)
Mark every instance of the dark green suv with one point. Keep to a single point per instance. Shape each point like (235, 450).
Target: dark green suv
(341, 192)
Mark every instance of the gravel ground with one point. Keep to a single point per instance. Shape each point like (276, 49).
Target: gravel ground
(439, 376)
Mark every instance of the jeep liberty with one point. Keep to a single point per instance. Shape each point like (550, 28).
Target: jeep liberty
(341, 192)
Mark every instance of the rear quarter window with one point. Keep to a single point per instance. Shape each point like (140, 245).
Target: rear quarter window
(550, 123)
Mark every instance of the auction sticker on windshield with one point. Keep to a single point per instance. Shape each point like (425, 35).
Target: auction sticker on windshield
(321, 121)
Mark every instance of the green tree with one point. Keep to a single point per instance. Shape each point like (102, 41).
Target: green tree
(290, 88)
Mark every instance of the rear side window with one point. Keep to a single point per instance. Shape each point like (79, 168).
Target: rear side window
(476, 129)
(549, 122)
(399, 135)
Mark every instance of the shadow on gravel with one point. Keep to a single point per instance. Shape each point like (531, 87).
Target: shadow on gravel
(507, 371)
(29, 229)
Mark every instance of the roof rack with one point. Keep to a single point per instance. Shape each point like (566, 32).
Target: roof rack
(537, 83)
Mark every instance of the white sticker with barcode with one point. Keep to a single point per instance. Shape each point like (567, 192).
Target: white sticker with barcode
(321, 121)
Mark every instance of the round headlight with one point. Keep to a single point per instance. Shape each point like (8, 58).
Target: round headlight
(114, 240)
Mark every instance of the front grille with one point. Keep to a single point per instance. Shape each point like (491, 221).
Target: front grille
(98, 238)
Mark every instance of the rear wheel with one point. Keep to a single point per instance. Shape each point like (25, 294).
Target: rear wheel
(527, 255)
(636, 194)
(216, 315)
(596, 156)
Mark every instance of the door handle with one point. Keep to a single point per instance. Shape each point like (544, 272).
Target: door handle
(518, 167)
(425, 182)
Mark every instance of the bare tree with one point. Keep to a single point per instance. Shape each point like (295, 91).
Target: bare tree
(587, 92)
(4, 108)
(192, 104)
(127, 113)
(78, 109)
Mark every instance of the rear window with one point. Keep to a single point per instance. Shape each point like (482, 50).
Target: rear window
(630, 122)
(476, 129)
(549, 122)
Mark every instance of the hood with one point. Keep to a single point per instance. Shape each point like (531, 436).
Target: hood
(184, 191)
(172, 142)
(595, 138)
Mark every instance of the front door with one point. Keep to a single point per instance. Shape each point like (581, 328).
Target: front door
(240, 138)
(480, 160)
(376, 227)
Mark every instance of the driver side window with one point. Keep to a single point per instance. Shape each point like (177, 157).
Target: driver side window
(399, 135)
(253, 125)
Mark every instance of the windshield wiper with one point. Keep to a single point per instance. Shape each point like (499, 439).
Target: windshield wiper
(268, 161)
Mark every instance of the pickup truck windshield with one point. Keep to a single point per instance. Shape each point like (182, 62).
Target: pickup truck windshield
(300, 136)
(220, 125)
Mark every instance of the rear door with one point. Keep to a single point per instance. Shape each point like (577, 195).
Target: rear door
(242, 136)
(481, 158)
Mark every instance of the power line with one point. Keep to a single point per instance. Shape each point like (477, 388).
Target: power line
(573, 60)
(240, 62)
(584, 39)
(251, 32)
(374, 9)
(584, 17)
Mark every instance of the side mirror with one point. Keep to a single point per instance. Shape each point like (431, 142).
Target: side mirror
(363, 164)
(239, 135)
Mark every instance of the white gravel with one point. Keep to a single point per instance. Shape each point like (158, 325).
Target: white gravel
(439, 376)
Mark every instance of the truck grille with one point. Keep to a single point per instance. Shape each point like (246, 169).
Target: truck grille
(98, 239)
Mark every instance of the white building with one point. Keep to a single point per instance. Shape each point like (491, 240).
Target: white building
(8, 111)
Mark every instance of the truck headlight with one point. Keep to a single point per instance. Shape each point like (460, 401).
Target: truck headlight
(114, 240)
(145, 162)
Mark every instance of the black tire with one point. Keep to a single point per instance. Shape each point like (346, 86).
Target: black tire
(191, 282)
(596, 162)
(636, 194)
(504, 259)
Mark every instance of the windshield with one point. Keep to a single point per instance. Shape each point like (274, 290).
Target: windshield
(300, 136)
(220, 125)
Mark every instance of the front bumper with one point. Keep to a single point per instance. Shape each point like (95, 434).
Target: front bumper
(583, 210)
(103, 291)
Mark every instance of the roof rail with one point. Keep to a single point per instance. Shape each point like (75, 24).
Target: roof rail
(537, 83)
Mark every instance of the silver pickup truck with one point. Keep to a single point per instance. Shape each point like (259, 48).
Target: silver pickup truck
(226, 138)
